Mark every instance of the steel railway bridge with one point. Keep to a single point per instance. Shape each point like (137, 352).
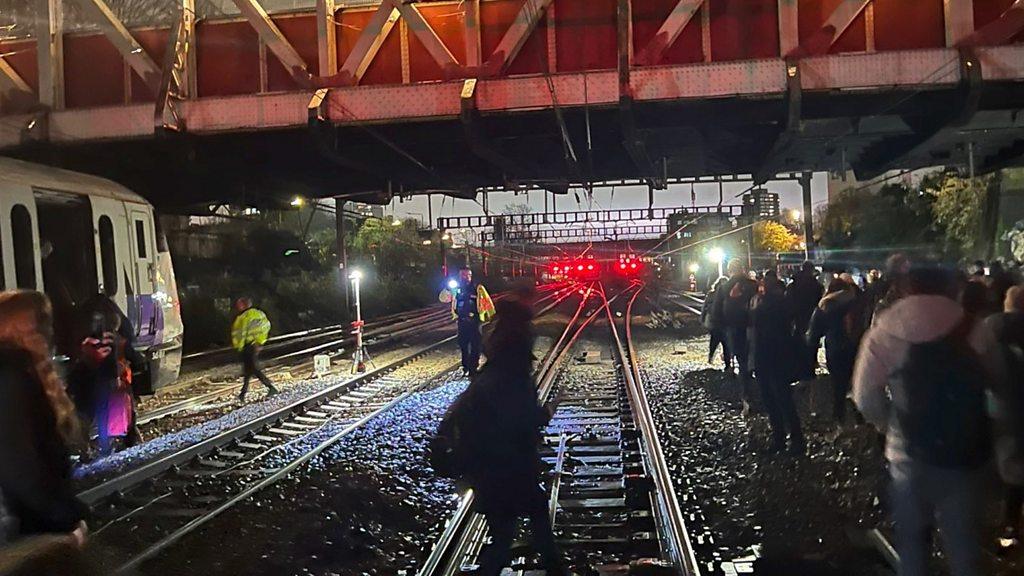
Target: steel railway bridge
(406, 97)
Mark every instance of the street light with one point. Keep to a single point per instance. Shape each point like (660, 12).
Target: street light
(694, 267)
(358, 361)
(717, 255)
(298, 201)
(796, 215)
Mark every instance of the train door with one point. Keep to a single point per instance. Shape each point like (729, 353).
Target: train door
(143, 248)
(113, 253)
(19, 240)
(67, 259)
(140, 228)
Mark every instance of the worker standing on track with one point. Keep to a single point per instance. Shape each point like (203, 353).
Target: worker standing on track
(471, 306)
(248, 333)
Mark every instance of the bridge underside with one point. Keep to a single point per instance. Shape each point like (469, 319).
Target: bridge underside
(684, 138)
(460, 96)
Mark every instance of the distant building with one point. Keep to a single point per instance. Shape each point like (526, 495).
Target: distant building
(367, 210)
(839, 181)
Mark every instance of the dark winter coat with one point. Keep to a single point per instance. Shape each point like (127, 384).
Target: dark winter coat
(35, 470)
(839, 318)
(710, 313)
(803, 296)
(732, 302)
(1008, 328)
(773, 347)
(500, 420)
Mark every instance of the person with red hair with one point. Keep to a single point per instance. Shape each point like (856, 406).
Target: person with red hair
(37, 425)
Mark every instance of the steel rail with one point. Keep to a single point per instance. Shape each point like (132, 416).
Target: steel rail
(465, 531)
(415, 324)
(421, 325)
(316, 332)
(675, 538)
(278, 351)
(175, 536)
(165, 462)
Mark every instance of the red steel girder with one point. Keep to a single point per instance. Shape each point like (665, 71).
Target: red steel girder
(1001, 30)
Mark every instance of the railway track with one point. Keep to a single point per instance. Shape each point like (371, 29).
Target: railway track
(381, 331)
(324, 338)
(611, 500)
(172, 496)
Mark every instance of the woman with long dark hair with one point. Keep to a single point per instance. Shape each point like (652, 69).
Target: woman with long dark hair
(37, 423)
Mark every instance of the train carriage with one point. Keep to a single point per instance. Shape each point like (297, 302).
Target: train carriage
(72, 236)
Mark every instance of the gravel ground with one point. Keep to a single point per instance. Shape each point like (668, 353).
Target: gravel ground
(284, 377)
(370, 505)
(228, 416)
(748, 509)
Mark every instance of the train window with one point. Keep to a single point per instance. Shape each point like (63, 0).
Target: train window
(24, 251)
(108, 256)
(140, 239)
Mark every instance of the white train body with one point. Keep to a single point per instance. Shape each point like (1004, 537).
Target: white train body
(72, 236)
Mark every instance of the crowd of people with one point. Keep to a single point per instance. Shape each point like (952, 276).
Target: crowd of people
(932, 358)
(46, 419)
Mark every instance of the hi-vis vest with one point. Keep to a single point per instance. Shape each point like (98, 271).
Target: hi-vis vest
(250, 327)
(484, 304)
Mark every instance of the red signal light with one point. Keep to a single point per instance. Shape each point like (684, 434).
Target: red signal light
(580, 268)
(590, 266)
(622, 265)
(633, 265)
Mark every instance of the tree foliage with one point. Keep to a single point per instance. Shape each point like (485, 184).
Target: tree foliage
(392, 250)
(943, 213)
(774, 237)
(897, 217)
(959, 209)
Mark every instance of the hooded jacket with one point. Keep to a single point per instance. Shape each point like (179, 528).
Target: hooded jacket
(912, 320)
(830, 320)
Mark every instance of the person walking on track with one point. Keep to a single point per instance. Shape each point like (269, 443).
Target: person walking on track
(775, 356)
(732, 302)
(925, 377)
(248, 334)
(803, 295)
(493, 431)
(471, 306)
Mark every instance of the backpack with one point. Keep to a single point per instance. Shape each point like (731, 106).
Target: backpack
(939, 399)
(447, 451)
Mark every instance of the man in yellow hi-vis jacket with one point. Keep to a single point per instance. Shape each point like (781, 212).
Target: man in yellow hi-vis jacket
(471, 305)
(248, 333)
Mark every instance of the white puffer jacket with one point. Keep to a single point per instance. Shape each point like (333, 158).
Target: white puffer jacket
(912, 320)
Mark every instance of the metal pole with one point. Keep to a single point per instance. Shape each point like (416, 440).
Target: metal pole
(444, 258)
(805, 185)
(360, 365)
(339, 227)
(970, 159)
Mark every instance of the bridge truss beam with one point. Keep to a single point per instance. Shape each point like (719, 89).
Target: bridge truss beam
(625, 216)
(604, 234)
(272, 37)
(129, 48)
